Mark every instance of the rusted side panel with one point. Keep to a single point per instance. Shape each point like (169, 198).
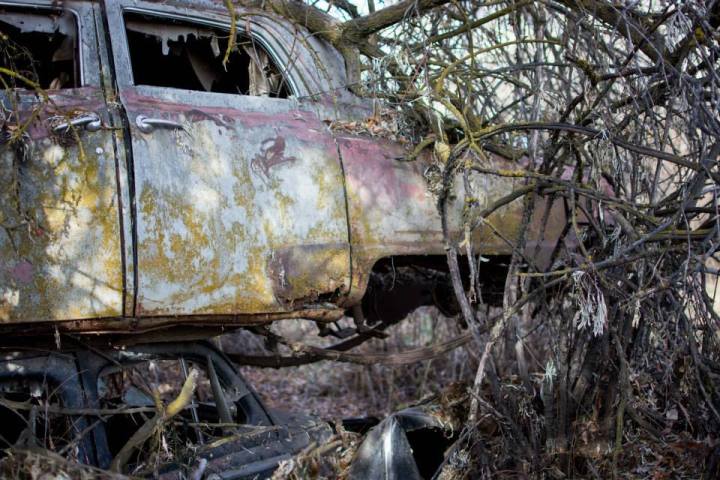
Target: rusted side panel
(392, 207)
(241, 212)
(60, 255)
(393, 212)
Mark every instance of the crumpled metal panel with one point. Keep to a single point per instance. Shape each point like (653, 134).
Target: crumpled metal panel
(241, 211)
(60, 255)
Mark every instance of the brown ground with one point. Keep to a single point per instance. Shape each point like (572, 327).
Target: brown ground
(340, 390)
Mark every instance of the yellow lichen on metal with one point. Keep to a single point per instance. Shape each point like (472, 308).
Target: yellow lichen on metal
(218, 206)
(60, 242)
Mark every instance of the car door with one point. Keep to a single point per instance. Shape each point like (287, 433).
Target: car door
(60, 240)
(239, 203)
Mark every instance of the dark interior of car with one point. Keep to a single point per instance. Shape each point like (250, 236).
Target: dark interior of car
(184, 56)
(41, 47)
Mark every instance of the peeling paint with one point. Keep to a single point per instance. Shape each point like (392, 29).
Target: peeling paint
(244, 216)
(272, 153)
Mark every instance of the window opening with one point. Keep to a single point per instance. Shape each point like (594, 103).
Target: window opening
(41, 46)
(175, 54)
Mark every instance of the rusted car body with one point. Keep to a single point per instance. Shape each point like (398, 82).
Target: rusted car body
(129, 205)
(155, 188)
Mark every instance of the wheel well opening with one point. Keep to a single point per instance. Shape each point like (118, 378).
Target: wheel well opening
(400, 284)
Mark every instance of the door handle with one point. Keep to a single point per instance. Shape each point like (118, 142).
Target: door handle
(147, 125)
(91, 122)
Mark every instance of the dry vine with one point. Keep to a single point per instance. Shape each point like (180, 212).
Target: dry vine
(612, 110)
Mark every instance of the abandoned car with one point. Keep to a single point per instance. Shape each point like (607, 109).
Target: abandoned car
(157, 186)
(89, 404)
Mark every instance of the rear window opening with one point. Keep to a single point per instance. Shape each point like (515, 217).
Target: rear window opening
(42, 46)
(180, 55)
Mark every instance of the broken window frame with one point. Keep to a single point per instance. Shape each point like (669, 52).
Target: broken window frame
(47, 9)
(192, 20)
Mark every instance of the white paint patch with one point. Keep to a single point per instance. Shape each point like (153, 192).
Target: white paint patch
(205, 198)
(53, 154)
(11, 297)
(102, 295)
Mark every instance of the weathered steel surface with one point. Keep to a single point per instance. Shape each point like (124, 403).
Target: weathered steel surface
(243, 211)
(393, 212)
(60, 254)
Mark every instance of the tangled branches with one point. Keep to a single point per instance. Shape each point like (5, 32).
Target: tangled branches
(612, 111)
